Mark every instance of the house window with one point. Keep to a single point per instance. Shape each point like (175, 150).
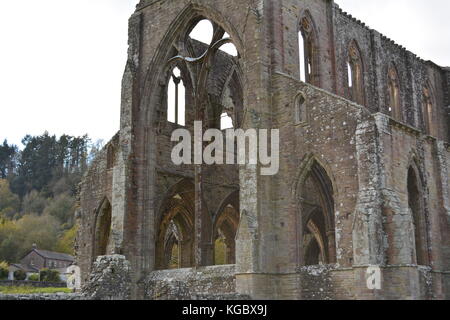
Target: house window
(176, 98)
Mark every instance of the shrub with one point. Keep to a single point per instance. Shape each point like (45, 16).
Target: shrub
(33, 277)
(48, 275)
(4, 271)
(20, 275)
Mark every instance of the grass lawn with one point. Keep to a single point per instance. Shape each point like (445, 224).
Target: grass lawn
(32, 290)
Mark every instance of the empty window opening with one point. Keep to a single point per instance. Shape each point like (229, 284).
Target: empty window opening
(394, 94)
(349, 75)
(225, 234)
(220, 251)
(355, 74)
(203, 32)
(317, 238)
(307, 50)
(415, 203)
(176, 108)
(229, 47)
(427, 111)
(300, 109)
(302, 56)
(226, 122)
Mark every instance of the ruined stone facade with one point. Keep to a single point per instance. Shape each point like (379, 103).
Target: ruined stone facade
(364, 160)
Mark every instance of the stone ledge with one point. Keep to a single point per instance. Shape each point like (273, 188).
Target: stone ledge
(43, 296)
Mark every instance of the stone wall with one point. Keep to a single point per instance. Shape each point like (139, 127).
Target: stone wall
(207, 283)
(42, 297)
(36, 284)
(96, 189)
(378, 52)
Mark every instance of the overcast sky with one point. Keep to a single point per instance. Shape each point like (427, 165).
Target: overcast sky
(61, 61)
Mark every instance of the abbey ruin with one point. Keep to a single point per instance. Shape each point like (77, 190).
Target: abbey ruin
(364, 161)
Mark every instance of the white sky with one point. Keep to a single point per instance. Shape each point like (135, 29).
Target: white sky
(61, 61)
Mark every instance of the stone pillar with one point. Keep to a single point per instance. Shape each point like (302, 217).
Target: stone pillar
(368, 231)
(121, 184)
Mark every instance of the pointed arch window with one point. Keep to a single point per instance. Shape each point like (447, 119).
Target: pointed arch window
(415, 203)
(301, 115)
(110, 159)
(307, 48)
(317, 241)
(176, 108)
(427, 111)
(394, 101)
(355, 74)
(224, 233)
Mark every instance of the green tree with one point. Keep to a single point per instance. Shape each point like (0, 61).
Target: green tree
(48, 275)
(46, 159)
(67, 242)
(9, 242)
(40, 230)
(8, 158)
(9, 202)
(34, 202)
(4, 270)
(33, 277)
(61, 207)
(20, 275)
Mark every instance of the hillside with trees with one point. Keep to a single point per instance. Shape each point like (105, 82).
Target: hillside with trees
(38, 187)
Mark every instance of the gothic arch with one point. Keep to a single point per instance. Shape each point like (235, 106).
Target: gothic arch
(178, 209)
(175, 225)
(180, 28)
(233, 93)
(110, 157)
(416, 207)
(394, 93)
(146, 111)
(226, 223)
(102, 230)
(307, 32)
(355, 75)
(314, 194)
(428, 109)
(301, 114)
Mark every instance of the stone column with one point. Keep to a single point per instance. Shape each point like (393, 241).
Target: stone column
(368, 227)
